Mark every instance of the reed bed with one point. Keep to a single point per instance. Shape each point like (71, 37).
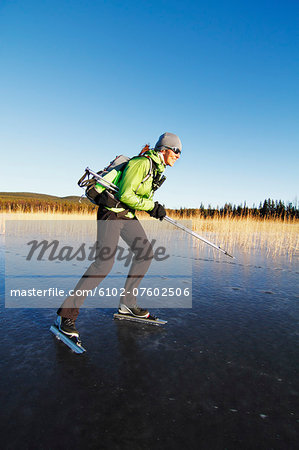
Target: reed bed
(273, 237)
(270, 236)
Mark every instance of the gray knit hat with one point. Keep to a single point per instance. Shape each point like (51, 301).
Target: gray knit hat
(168, 140)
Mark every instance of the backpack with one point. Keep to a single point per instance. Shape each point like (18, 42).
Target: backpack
(96, 192)
(101, 195)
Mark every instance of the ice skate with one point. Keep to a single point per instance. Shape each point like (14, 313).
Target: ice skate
(137, 314)
(65, 330)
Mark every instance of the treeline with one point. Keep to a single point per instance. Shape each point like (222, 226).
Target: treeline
(269, 209)
(32, 203)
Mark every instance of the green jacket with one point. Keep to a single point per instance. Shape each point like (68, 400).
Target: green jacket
(135, 192)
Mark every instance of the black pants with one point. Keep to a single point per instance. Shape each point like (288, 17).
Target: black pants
(109, 228)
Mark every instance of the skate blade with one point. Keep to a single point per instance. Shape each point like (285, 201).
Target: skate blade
(77, 348)
(138, 319)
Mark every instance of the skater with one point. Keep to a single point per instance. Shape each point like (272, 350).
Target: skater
(140, 178)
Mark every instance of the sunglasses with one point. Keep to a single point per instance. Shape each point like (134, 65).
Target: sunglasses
(175, 150)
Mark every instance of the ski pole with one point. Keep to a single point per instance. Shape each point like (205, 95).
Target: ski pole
(101, 180)
(114, 188)
(187, 230)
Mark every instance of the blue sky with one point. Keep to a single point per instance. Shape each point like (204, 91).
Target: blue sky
(82, 82)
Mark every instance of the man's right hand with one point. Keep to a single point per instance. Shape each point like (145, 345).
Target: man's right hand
(158, 212)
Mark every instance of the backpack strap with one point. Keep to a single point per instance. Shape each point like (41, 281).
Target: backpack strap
(151, 171)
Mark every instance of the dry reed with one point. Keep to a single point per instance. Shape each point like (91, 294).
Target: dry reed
(274, 237)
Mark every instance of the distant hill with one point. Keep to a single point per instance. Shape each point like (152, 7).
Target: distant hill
(34, 202)
(33, 195)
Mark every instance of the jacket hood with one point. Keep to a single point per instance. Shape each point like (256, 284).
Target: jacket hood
(154, 155)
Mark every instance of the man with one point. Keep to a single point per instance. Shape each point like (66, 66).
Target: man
(141, 177)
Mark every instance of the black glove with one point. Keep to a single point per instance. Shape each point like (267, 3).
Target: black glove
(158, 212)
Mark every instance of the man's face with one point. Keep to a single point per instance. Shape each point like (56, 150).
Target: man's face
(170, 157)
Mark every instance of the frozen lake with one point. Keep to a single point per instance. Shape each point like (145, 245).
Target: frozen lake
(222, 374)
